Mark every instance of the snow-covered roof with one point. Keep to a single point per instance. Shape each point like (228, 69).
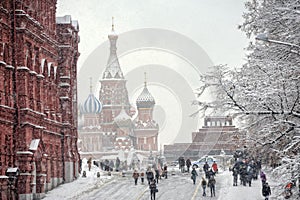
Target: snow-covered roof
(123, 116)
(67, 20)
(64, 20)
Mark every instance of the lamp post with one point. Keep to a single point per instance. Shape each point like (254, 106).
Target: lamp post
(265, 38)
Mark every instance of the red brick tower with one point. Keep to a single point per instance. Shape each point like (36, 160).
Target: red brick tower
(38, 97)
(113, 92)
(145, 128)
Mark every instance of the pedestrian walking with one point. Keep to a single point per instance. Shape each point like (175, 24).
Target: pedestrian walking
(142, 177)
(153, 189)
(212, 185)
(156, 175)
(235, 176)
(205, 169)
(160, 170)
(188, 164)
(214, 166)
(135, 175)
(266, 190)
(118, 162)
(203, 184)
(111, 165)
(250, 172)
(263, 178)
(181, 164)
(165, 171)
(194, 175)
(150, 175)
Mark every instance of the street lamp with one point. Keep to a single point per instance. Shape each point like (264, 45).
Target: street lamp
(265, 38)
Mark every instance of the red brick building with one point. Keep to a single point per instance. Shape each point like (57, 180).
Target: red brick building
(38, 98)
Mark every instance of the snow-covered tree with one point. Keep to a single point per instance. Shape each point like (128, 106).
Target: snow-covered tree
(265, 92)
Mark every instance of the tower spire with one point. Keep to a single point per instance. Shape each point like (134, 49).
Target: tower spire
(112, 24)
(113, 69)
(145, 83)
(91, 85)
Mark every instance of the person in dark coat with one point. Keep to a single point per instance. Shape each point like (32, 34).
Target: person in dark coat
(165, 171)
(250, 172)
(153, 189)
(156, 175)
(150, 175)
(203, 184)
(188, 164)
(212, 185)
(118, 162)
(211, 173)
(181, 162)
(194, 175)
(266, 190)
(235, 173)
(205, 169)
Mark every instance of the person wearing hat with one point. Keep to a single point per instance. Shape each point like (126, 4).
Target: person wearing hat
(266, 190)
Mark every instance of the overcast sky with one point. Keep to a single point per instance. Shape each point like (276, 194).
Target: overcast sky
(211, 24)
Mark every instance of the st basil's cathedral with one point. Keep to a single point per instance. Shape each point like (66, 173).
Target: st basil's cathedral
(111, 124)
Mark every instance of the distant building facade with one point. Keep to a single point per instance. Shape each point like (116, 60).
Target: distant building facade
(217, 134)
(38, 98)
(113, 127)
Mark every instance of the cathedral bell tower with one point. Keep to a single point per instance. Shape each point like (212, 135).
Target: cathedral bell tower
(113, 92)
(145, 128)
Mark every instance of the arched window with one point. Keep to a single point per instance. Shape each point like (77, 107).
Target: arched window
(5, 53)
(28, 56)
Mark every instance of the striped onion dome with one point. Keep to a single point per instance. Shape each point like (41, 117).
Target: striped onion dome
(92, 105)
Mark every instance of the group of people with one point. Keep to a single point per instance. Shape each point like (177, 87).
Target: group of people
(153, 174)
(210, 173)
(247, 171)
(209, 179)
(182, 163)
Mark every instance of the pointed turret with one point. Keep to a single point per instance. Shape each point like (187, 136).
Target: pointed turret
(145, 99)
(113, 70)
(144, 125)
(91, 104)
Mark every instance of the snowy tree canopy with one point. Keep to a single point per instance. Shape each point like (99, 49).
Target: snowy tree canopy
(264, 92)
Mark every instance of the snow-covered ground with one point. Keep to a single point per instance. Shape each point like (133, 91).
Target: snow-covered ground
(178, 186)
